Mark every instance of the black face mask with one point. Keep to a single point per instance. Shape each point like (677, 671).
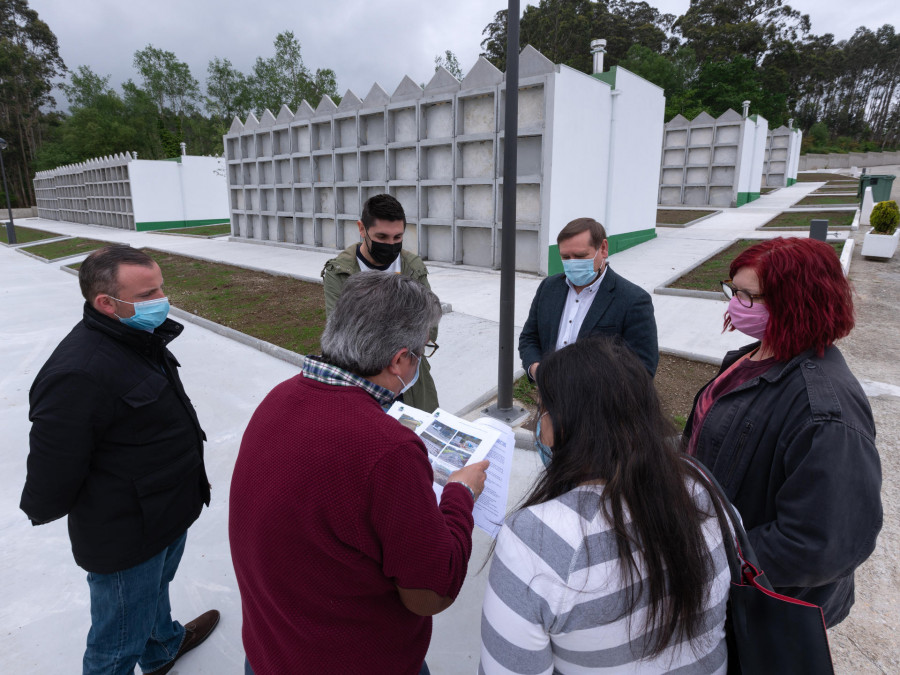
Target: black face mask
(383, 254)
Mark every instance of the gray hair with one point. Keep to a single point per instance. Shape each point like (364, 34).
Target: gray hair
(377, 315)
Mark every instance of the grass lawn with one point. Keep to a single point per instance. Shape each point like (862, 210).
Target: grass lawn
(799, 220)
(284, 311)
(818, 177)
(767, 190)
(202, 230)
(25, 234)
(820, 200)
(679, 216)
(709, 275)
(65, 248)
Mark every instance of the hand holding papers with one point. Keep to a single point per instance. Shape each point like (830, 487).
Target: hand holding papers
(453, 443)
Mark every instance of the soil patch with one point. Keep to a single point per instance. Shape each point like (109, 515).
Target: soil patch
(65, 248)
(800, 220)
(821, 200)
(286, 312)
(767, 190)
(678, 216)
(26, 234)
(677, 382)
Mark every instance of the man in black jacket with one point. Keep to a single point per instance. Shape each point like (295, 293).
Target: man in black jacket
(117, 447)
(588, 299)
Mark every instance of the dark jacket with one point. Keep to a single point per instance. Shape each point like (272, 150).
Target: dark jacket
(794, 450)
(620, 308)
(115, 444)
(423, 394)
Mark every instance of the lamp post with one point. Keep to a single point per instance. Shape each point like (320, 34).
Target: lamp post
(10, 229)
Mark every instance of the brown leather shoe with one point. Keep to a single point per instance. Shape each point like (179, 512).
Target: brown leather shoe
(195, 632)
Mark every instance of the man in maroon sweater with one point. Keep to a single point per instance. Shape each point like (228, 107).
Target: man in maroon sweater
(341, 551)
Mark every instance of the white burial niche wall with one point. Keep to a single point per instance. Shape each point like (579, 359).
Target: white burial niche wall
(300, 178)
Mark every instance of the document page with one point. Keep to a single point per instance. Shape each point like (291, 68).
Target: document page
(453, 442)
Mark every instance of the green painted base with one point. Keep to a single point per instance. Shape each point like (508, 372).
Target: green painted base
(617, 242)
(791, 181)
(173, 224)
(746, 198)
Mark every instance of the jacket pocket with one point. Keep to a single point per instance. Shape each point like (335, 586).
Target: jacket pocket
(170, 494)
(146, 391)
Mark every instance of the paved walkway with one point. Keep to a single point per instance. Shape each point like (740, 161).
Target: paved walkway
(43, 605)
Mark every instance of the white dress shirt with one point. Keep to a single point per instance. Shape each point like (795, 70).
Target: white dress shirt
(577, 306)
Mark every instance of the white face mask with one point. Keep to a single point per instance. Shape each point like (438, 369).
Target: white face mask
(406, 387)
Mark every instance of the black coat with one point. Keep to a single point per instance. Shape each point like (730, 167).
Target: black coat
(794, 450)
(620, 308)
(115, 444)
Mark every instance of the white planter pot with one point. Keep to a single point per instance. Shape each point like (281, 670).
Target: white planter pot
(880, 245)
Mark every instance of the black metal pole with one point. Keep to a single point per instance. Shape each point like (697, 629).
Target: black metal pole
(10, 228)
(508, 237)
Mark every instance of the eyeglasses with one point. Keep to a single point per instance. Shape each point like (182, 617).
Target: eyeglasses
(429, 349)
(746, 298)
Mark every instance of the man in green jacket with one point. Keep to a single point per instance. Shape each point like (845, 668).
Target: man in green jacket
(381, 229)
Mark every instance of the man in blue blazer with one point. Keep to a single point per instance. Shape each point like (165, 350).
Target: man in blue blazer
(587, 299)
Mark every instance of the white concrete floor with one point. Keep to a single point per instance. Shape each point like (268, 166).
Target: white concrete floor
(44, 603)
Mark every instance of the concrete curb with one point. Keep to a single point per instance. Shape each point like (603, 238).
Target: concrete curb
(692, 356)
(692, 222)
(283, 244)
(846, 255)
(688, 293)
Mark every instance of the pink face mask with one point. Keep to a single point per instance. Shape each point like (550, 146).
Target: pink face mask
(750, 321)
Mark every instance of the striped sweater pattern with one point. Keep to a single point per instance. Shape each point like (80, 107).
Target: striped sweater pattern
(555, 601)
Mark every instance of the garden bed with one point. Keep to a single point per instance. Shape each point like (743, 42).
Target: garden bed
(819, 177)
(800, 220)
(284, 311)
(708, 275)
(25, 235)
(828, 200)
(66, 248)
(678, 217)
(205, 231)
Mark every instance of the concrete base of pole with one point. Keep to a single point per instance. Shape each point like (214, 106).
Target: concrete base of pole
(513, 416)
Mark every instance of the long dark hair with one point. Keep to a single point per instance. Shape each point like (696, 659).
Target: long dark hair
(608, 427)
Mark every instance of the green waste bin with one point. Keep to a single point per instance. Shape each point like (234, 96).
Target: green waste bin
(881, 185)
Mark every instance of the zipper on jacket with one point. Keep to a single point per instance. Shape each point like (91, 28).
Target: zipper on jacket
(745, 432)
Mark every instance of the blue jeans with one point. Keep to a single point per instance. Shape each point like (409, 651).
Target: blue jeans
(131, 620)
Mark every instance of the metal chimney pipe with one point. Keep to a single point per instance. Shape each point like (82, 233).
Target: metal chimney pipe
(183, 146)
(598, 49)
(746, 105)
(791, 123)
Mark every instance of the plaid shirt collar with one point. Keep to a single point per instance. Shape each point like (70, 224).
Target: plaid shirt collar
(316, 369)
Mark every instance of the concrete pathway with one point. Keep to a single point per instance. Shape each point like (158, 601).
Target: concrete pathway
(44, 604)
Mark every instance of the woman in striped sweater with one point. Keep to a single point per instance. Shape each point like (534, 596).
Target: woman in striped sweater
(614, 561)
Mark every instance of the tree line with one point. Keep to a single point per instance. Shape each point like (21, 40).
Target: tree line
(151, 116)
(719, 53)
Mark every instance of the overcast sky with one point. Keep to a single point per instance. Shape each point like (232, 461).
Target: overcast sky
(361, 40)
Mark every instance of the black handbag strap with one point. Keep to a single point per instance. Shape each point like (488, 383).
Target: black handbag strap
(739, 551)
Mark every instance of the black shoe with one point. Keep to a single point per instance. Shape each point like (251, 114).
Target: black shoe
(195, 633)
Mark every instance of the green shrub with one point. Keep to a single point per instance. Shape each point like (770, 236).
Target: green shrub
(885, 217)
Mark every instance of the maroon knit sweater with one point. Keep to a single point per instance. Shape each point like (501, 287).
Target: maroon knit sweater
(331, 509)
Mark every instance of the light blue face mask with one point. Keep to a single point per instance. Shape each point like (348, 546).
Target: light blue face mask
(148, 315)
(415, 377)
(543, 450)
(580, 272)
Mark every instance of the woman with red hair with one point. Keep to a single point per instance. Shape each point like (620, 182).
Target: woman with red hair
(786, 427)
